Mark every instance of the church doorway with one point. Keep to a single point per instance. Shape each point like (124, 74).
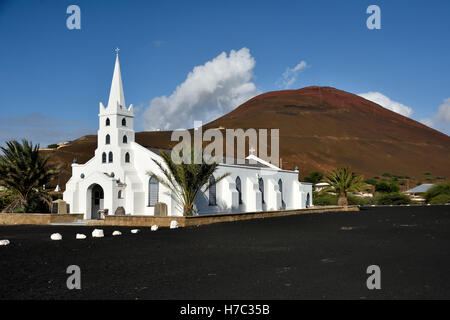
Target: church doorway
(97, 196)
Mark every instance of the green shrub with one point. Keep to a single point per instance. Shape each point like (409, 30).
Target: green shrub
(385, 187)
(314, 177)
(5, 200)
(325, 199)
(371, 181)
(439, 189)
(360, 201)
(394, 198)
(441, 199)
(52, 146)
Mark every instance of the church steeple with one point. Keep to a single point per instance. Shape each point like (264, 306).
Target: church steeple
(116, 97)
(116, 127)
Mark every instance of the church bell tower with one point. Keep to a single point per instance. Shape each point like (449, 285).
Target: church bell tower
(116, 127)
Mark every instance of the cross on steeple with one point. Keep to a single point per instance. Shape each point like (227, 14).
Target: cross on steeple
(117, 50)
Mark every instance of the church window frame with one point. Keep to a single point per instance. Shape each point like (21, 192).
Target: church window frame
(212, 196)
(239, 189)
(153, 191)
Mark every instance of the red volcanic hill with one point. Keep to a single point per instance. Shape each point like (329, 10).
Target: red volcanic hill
(321, 128)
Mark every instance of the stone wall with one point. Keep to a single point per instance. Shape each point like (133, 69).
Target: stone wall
(37, 218)
(145, 221)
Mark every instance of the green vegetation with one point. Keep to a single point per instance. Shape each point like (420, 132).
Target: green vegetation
(186, 180)
(393, 199)
(371, 181)
(314, 177)
(385, 187)
(52, 146)
(24, 172)
(360, 201)
(441, 199)
(439, 194)
(342, 181)
(427, 173)
(325, 199)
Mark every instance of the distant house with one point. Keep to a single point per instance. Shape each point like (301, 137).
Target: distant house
(416, 192)
(321, 185)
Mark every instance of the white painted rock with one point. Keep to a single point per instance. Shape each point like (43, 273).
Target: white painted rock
(97, 233)
(4, 242)
(80, 236)
(154, 227)
(173, 224)
(56, 236)
(135, 231)
(117, 233)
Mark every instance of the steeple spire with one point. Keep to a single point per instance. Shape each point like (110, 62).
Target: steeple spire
(116, 97)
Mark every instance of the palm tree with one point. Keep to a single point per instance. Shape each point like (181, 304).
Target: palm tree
(24, 173)
(344, 180)
(185, 181)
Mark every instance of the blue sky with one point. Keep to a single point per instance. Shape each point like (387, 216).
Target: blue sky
(50, 74)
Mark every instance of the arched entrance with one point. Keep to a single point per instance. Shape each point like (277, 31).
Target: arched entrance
(97, 197)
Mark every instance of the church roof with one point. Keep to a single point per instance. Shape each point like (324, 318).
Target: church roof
(225, 160)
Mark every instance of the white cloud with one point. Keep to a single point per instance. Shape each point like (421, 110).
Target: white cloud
(387, 103)
(443, 114)
(440, 120)
(290, 75)
(209, 91)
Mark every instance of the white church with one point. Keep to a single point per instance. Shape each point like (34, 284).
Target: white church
(117, 175)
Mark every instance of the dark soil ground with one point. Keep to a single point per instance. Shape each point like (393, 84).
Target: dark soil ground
(317, 256)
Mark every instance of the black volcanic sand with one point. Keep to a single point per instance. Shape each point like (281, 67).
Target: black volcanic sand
(322, 256)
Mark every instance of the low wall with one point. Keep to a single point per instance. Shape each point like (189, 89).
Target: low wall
(37, 218)
(145, 221)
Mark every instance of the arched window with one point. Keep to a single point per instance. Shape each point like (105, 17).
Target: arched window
(120, 194)
(107, 139)
(308, 200)
(127, 157)
(280, 187)
(107, 122)
(261, 188)
(212, 191)
(153, 191)
(239, 189)
(110, 157)
(124, 122)
(125, 139)
(103, 157)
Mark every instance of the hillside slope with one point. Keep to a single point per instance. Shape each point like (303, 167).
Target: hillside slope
(321, 128)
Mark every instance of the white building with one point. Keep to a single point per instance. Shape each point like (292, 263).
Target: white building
(117, 175)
